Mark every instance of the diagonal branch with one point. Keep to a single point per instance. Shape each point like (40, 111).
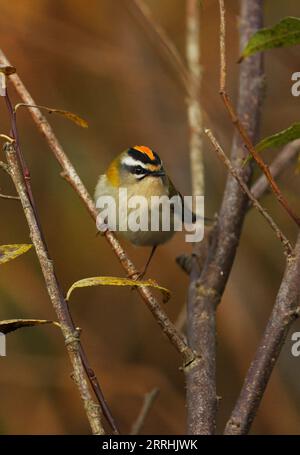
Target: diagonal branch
(70, 174)
(287, 155)
(285, 311)
(149, 401)
(221, 154)
(235, 118)
(140, 9)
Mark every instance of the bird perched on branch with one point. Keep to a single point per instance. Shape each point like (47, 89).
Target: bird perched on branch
(138, 171)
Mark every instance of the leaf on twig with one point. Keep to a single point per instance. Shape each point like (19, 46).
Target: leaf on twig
(285, 33)
(116, 281)
(276, 140)
(10, 325)
(67, 114)
(9, 252)
(280, 139)
(7, 70)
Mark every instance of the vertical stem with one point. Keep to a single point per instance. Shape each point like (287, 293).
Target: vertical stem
(200, 406)
(207, 285)
(194, 109)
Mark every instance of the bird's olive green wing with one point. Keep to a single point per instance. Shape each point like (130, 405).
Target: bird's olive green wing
(174, 192)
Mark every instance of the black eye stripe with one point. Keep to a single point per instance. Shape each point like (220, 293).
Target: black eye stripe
(143, 157)
(136, 169)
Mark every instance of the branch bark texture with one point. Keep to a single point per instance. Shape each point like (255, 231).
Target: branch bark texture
(207, 286)
(285, 311)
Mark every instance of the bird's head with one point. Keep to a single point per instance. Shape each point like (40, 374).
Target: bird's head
(134, 165)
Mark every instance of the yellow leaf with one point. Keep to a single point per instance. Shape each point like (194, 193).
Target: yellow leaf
(10, 325)
(71, 116)
(116, 281)
(9, 252)
(67, 114)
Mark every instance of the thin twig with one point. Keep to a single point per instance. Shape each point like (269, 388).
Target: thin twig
(70, 335)
(181, 319)
(285, 311)
(287, 155)
(7, 196)
(223, 64)
(4, 167)
(221, 154)
(193, 50)
(162, 40)
(71, 176)
(240, 127)
(149, 400)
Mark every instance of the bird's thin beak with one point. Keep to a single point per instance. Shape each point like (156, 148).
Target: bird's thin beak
(159, 173)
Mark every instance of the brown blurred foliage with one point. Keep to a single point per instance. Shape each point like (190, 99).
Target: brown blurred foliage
(95, 59)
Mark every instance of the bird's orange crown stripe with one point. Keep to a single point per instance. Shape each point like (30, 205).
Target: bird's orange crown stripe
(146, 150)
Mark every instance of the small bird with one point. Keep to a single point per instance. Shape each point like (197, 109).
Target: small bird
(140, 171)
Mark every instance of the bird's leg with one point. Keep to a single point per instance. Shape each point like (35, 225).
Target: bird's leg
(140, 275)
(148, 262)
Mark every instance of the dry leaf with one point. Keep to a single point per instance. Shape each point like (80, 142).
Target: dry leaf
(9, 252)
(67, 114)
(10, 325)
(116, 281)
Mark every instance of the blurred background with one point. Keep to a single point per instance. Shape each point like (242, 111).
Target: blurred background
(97, 59)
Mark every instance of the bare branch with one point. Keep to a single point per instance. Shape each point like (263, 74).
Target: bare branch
(207, 289)
(146, 408)
(285, 311)
(240, 127)
(194, 108)
(221, 154)
(7, 196)
(288, 154)
(223, 62)
(157, 33)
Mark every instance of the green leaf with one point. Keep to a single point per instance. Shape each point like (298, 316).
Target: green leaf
(116, 281)
(9, 252)
(67, 114)
(285, 33)
(9, 325)
(279, 139)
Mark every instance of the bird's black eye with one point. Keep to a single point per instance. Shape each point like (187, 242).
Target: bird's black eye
(139, 170)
